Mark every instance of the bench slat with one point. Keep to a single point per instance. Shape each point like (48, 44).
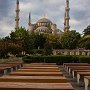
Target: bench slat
(34, 79)
(37, 74)
(38, 70)
(35, 86)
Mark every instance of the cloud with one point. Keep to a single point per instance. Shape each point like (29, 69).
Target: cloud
(5, 27)
(55, 9)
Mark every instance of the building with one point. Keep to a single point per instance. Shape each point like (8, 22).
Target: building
(44, 25)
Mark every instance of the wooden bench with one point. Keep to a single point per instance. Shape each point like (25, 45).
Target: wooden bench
(20, 64)
(77, 67)
(43, 64)
(34, 79)
(81, 75)
(38, 70)
(36, 74)
(74, 65)
(66, 65)
(74, 72)
(14, 66)
(37, 65)
(87, 82)
(35, 86)
(5, 70)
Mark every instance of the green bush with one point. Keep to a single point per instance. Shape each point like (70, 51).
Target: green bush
(50, 59)
(84, 59)
(56, 59)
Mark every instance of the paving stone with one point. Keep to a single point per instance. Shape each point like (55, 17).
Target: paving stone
(70, 79)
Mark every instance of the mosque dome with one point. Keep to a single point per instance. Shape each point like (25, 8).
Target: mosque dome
(44, 20)
(43, 29)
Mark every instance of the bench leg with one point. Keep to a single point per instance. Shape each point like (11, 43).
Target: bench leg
(86, 83)
(20, 66)
(73, 74)
(69, 71)
(12, 70)
(78, 78)
(67, 68)
(64, 66)
(16, 68)
(5, 72)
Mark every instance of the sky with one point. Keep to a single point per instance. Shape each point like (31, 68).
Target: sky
(54, 9)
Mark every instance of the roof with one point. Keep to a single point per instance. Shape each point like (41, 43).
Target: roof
(44, 20)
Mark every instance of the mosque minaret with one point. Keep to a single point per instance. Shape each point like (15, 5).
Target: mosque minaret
(17, 15)
(67, 18)
(30, 29)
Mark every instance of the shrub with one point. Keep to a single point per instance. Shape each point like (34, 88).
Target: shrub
(50, 59)
(84, 59)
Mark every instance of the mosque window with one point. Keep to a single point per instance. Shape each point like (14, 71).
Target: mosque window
(38, 24)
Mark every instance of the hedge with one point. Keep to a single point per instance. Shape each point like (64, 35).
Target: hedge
(84, 59)
(50, 59)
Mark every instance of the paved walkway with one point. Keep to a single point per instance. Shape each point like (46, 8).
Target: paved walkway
(70, 79)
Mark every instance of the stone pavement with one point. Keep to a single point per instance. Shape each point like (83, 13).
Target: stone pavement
(70, 79)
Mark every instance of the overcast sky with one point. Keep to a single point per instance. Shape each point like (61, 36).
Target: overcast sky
(55, 9)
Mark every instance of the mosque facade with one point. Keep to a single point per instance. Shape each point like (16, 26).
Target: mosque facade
(44, 25)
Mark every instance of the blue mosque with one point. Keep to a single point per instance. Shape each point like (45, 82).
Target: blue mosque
(44, 25)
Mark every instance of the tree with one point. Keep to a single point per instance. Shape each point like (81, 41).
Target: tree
(55, 41)
(14, 49)
(28, 43)
(3, 49)
(85, 42)
(39, 41)
(18, 34)
(48, 48)
(13, 37)
(87, 31)
(69, 40)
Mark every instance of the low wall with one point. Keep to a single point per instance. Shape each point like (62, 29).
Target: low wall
(72, 52)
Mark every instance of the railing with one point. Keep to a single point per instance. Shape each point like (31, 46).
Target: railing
(71, 52)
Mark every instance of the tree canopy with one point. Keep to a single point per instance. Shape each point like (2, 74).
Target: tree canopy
(69, 40)
(87, 31)
(20, 41)
(85, 40)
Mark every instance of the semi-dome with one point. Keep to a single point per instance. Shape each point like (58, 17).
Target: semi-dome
(42, 29)
(44, 20)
